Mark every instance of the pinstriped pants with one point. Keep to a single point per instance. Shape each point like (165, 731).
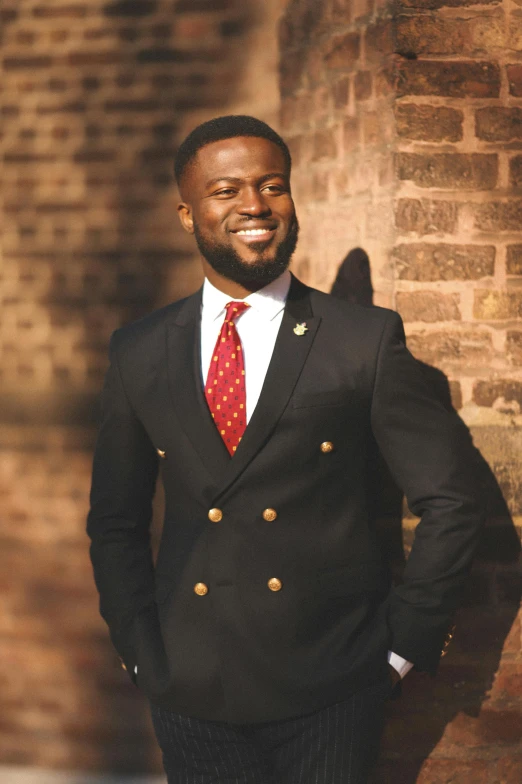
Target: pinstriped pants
(335, 745)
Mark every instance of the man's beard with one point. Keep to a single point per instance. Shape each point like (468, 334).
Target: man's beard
(228, 263)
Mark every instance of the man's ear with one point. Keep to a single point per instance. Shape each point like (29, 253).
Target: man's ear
(185, 216)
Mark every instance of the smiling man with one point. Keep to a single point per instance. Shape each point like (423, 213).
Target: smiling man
(267, 636)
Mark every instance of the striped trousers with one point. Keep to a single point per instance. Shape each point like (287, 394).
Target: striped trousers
(335, 745)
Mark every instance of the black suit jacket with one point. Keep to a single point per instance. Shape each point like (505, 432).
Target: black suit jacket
(244, 653)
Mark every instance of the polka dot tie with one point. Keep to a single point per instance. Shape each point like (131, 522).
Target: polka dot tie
(225, 387)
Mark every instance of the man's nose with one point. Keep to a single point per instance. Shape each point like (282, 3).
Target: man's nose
(253, 203)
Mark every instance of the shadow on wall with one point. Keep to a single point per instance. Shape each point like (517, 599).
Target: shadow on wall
(492, 596)
(154, 255)
(110, 253)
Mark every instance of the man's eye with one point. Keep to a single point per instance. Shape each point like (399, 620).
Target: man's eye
(224, 192)
(275, 188)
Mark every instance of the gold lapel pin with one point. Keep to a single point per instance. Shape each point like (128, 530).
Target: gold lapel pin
(300, 329)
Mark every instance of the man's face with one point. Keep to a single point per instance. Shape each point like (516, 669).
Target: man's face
(237, 203)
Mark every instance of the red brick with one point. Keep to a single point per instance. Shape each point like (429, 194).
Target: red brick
(514, 346)
(109, 57)
(429, 306)
(297, 25)
(341, 93)
(202, 5)
(291, 70)
(441, 261)
(19, 63)
(386, 81)
(499, 216)
(135, 7)
(379, 41)
(343, 52)
(462, 171)
(377, 128)
(351, 133)
(514, 74)
(515, 171)
(485, 393)
(514, 260)
(433, 4)
(456, 394)
(498, 124)
(514, 42)
(428, 123)
(69, 11)
(451, 78)
(362, 85)
(451, 347)
(436, 35)
(492, 305)
(324, 144)
(425, 216)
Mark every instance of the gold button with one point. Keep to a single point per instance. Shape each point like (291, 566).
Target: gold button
(269, 515)
(215, 515)
(123, 665)
(327, 446)
(161, 453)
(201, 589)
(274, 584)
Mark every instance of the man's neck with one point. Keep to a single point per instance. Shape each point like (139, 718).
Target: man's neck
(232, 289)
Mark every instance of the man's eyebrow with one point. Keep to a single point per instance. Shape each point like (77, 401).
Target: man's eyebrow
(238, 180)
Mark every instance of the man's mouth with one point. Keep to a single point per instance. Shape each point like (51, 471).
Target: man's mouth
(255, 235)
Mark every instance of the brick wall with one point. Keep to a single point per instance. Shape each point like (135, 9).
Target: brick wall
(405, 122)
(95, 97)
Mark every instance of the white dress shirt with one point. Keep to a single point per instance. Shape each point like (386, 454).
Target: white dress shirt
(257, 327)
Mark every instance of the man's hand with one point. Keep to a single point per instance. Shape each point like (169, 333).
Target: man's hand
(394, 675)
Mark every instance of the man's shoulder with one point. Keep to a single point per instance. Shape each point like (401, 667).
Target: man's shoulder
(150, 326)
(335, 309)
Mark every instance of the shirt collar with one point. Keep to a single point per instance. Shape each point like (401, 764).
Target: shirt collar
(268, 301)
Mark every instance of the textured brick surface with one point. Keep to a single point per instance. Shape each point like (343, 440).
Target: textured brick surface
(426, 216)
(405, 132)
(428, 123)
(476, 171)
(424, 115)
(449, 78)
(95, 99)
(423, 261)
(431, 306)
(499, 124)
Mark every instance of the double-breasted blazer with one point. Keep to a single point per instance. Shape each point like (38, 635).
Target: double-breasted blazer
(269, 597)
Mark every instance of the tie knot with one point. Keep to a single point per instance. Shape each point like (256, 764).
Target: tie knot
(235, 309)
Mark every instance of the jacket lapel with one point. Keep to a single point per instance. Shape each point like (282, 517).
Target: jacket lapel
(290, 353)
(184, 371)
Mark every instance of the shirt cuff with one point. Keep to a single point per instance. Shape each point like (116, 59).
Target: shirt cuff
(398, 663)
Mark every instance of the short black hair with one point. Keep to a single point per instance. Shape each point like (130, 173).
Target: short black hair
(226, 127)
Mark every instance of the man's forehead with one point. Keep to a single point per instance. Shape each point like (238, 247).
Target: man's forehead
(239, 156)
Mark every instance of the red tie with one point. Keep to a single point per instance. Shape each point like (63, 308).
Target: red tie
(225, 387)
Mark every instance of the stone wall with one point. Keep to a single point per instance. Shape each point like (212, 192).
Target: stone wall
(95, 97)
(405, 123)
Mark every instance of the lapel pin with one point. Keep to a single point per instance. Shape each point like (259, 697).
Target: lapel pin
(300, 329)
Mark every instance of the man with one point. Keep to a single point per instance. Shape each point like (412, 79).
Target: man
(267, 636)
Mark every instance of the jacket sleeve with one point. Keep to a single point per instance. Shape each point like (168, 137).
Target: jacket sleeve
(123, 482)
(430, 454)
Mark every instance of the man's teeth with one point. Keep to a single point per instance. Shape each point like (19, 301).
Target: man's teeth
(254, 231)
